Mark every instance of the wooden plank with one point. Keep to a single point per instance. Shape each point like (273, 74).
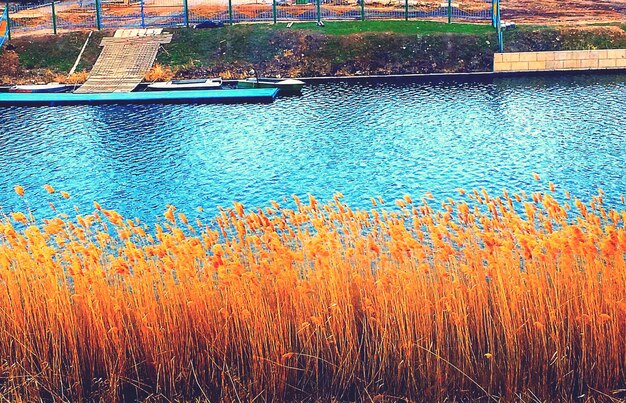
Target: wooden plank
(123, 63)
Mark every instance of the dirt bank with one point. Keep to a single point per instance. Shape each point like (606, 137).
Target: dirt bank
(232, 51)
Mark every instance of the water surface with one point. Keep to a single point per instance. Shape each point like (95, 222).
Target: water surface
(362, 139)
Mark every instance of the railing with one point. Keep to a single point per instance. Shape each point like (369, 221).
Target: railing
(102, 14)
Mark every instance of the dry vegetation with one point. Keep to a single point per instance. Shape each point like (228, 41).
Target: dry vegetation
(9, 65)
(512, 296)
(159, 73)
(564, 11)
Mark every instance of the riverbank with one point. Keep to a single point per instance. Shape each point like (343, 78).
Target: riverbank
(338, 49)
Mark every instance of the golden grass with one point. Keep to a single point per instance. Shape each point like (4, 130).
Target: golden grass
(78, 77)
(509, 297)
(159, 73)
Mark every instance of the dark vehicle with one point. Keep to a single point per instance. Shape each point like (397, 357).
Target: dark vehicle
(210, 24)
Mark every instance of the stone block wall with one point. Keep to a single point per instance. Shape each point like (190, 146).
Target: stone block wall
(560, 61)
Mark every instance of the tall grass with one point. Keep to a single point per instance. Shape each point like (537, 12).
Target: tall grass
(509, 297)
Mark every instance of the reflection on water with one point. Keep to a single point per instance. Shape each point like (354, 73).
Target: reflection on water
(361, 139)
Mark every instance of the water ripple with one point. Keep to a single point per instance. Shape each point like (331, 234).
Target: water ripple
(361, 139)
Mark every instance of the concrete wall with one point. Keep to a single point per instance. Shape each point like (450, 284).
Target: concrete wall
(556, 61)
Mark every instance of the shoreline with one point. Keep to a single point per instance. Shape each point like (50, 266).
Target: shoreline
(470, 76)
(315, 56)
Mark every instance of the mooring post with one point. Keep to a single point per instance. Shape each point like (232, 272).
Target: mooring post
(274, 10)
(319, 11)
(186, 11)
(406, 10)
(143, 17)
(54, 19)
(98, 22)
(8, 22)
(449, 11)
(230, 11)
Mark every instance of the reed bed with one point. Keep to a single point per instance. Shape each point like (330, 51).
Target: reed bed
(509, 297)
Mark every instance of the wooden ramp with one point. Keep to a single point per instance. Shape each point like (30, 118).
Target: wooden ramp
(124, 61)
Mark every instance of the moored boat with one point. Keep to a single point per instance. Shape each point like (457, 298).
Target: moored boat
(178, 85)
(285, 85)
(40, 88)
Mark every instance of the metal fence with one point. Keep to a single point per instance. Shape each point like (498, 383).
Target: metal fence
(103, 14)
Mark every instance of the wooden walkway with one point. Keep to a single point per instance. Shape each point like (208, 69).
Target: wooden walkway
(124, 61)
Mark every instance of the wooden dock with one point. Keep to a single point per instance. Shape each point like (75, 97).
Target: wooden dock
(124, 61)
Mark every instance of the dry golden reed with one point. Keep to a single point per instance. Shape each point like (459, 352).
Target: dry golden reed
(510, 297)
(159, 73)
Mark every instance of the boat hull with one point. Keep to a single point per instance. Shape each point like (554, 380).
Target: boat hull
(39, 89)
(260, 95)
(186, 85)
(284, 88)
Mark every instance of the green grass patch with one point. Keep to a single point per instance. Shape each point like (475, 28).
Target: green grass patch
(603, 24)
(227, 44)
(399, 27)
(57, 52)
(254, 43)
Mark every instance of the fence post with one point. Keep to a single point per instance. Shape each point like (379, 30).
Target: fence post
(143, 17)
(319, 11)
(274, 10)
(500, 35)
(186, 10)
(406, 10)
(98, 22)
(8, 22)
(230, 11)
(449, 11)
(54, 19)
(362, 3)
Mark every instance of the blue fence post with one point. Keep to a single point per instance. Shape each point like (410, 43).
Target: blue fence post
(54, 19)
(8, 22)
(362, 3)
(274, 10)
(186, 10)
(143, 17)
(98, 21)
(500, 35)
(319, 11)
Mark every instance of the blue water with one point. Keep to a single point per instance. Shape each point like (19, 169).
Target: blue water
(362, 139)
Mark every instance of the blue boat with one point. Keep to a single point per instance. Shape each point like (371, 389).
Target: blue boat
(230, 96)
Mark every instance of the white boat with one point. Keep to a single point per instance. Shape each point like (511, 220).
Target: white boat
(210, 84)
(40, 88)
